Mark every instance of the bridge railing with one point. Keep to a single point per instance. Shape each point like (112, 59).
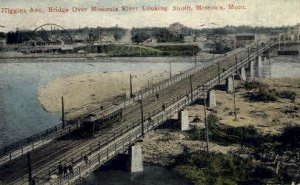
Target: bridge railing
(152, 89)
(99, 152)
(102, 155)
(22, 146)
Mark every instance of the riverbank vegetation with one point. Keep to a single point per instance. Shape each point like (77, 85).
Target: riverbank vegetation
(262, 159)
(142, 51)
(261, 146)
(258, 91)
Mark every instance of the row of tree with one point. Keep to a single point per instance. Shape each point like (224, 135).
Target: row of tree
(162, 34)
(21, 36)
(245, 29)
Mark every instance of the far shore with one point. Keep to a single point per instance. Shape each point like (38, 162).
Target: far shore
(96, 57)
(34, 59)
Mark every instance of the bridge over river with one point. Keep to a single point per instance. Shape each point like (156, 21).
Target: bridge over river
(140, 114)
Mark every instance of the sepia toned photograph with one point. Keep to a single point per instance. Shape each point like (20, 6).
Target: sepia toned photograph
(161, 92)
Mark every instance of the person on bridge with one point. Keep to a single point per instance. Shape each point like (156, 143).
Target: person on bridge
(60, 169)
(33, 181)
(65, 170)
(163, 107)
(86, 160)
(70, 167)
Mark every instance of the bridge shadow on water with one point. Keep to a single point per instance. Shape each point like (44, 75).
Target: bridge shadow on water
(120, 162)
(172, 124)
(221, 87)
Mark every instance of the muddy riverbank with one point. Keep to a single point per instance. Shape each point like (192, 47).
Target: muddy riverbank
(163, 145)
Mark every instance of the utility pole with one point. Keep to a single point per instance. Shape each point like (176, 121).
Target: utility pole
(279, 42)
(195, 58)
(219, 72)
(236, 60)
(205, 120)
(130, 86)
(191, 84)
(29, 168)
(234, 45)
(140, 51)
(234, 102)
(62, 112)
(248, 54)
(170, 69)
(142, 116)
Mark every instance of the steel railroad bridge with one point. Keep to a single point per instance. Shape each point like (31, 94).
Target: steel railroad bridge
(140, 114)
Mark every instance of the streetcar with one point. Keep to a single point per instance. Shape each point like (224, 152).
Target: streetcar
(90, 125)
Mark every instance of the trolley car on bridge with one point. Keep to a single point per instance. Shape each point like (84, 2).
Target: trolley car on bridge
(91, 125)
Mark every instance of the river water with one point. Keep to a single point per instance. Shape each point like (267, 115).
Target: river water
(281, 67)
(21, 114)
(152, 175)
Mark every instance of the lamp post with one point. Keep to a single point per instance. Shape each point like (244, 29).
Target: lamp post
(142, 116)
(29, 166)
(236, 60)
(278, 42)
(191, 86)
(62, 112)
(205, 120)
(248, 53)
(170, 69)
(219, 72)
(130, 86)
(234, 101)
(195, 58)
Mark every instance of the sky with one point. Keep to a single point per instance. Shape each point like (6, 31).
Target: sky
(256, 13)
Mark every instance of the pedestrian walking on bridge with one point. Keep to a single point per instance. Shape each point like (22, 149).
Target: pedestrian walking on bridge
(163, 107)
(65, 170)
(60, 169)
(70, 168)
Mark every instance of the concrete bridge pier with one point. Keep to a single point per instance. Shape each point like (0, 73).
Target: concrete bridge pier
(136, 159)
(243, 74)
(252, 70)
(267, 53)
(212, 99)
(184, 120)
(259, 58)
(266, 61)
(259, 66)
(265, 58)
(127, 94)
(229, 84)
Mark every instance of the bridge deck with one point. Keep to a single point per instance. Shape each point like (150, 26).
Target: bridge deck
(46, 158)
